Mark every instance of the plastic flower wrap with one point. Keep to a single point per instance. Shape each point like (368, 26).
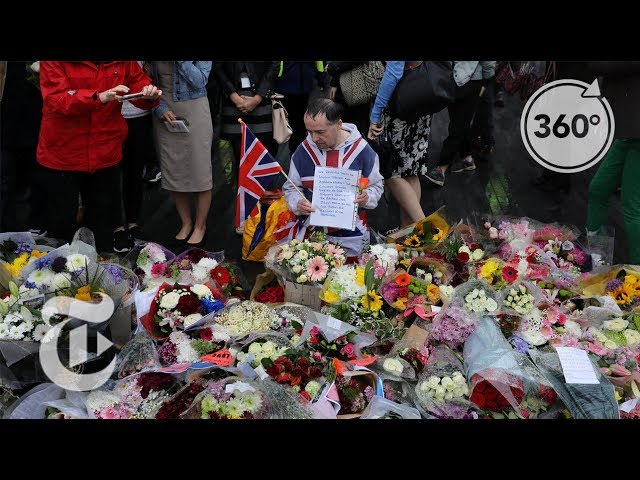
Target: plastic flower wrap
(190, 346)
(582, 400)
(246, 317)
(442, 388)
(380, 408)
(503, 382)
(424, 235)
(137, 355)
(307, 261)
(383, 325)
(230, 398)
(385, 257)
(344, 283)
(46, 398)
(17, 250)
(151, 262)
(18, 322)
(567, 255)
(258, 346)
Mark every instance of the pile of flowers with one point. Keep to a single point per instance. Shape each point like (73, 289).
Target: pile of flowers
(246, 317)
(178, 306)
(311, 260)
(56, 272)
(519, 299)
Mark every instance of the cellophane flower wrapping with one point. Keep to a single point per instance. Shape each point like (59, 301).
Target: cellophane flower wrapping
(150, 262)
(268, 345)
(500, 377)
(452, 326)
(34, 403)
(484, 301)
(284, 402)
(513, 301)
(230, 398)
(588, 401)
(442, 388)
(240, 318)
(381, 408)
(138, 355)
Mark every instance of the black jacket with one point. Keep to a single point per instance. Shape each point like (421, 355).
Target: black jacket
(621, 87)
(262, 76)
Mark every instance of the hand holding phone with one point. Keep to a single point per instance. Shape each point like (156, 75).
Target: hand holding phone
(132, 95)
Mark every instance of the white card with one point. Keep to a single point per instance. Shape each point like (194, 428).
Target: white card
(177, 126)
(576, 366)
(244, 81)
(628, 405)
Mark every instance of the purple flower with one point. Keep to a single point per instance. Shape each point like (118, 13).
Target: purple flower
(23, 248)
(43, 262)
(519, 344)
(116, 273)
(613, 285)
(29, 284)
(451, 329)
(59, 264)
(167, 353)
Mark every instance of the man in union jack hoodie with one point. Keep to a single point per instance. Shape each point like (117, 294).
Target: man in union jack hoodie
(331, 143)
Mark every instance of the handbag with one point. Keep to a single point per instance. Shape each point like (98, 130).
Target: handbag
(425, 88)
(388, 157)
(282, 130)
(360, 84)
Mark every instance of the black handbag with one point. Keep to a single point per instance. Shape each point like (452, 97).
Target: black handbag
(387, 155)
(425, 88)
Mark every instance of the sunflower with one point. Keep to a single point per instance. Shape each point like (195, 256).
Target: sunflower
(438, 235)
(331, 297)
(372, 301)
(403, 279)
(412, 241)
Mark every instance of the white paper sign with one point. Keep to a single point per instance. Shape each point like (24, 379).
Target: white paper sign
(576, 366)
(334, 191)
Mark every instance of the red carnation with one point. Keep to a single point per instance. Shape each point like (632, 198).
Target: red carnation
(206, 334)
(315, 372)
(188, 304)
(283, 378)
(547, 394)
(463, 257)
(403, 292)
(303, 363)
(220, 275)
(481, 386)
(491, 393)
(196, 254)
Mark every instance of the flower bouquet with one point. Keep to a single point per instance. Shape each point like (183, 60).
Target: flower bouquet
(503, 382)
(176, 307)
(452, 326)
(175, 406)
(267, 289)
(230, 398)
(258, 346)
(401, 288)
(622, 284)
(228, 277)
(192, 346)
(299, 369)
(355, 390)
(305, 266)
(17, 250)
(245, 317)
(193, 266)
(442, 388)
(425, 235)
(384, 325)
(151, 262)
(476, 297)
(384, 259)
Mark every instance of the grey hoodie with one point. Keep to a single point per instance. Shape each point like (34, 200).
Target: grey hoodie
(463, 71)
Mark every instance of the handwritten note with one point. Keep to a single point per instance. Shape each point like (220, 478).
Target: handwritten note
(576, 366)
(334, 191)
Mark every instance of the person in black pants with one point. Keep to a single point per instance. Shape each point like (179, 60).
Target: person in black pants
(20, 113)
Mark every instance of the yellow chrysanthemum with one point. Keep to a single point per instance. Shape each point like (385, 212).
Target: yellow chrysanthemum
(404, 262)
(433, 292)
(359, 276)
(18, 264)
(372, 301)
(412, 241)
(84, 293)
(331, 297)
(37, 254)
(488, 269)
(438, 236)
(400, 303)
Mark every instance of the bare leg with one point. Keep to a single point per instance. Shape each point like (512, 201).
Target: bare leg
(203, 202)
(414, 181)
(184, 212)
(406, 196)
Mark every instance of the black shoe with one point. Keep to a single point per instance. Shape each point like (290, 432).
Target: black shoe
(152, 173)
(122, 242)
(136, 233)
(200, 244)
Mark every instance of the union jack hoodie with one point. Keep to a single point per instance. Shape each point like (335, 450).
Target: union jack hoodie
(355, 154)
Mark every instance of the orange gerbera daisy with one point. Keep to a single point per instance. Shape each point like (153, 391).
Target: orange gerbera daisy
(403, 279)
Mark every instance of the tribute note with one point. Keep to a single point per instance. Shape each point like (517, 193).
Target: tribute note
(334, 193)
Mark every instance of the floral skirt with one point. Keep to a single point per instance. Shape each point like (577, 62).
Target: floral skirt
(411, 141)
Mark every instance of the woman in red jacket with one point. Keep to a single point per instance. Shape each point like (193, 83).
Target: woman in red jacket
(81, 137)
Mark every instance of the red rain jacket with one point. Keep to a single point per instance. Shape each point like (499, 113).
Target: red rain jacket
(78, 132)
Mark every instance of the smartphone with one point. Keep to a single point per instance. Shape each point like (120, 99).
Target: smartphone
(132, 95)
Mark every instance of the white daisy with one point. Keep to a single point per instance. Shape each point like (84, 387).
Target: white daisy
(40, 331)
(76, 261)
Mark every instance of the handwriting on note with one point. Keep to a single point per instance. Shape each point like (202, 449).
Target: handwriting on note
(334, 193)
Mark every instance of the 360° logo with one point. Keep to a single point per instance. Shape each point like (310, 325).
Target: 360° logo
(567, 126)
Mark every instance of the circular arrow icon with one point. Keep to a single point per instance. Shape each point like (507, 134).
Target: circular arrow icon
(567, 126)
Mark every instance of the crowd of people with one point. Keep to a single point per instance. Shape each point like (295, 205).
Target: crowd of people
(79, 149)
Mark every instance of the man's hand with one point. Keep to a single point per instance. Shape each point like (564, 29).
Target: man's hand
(375, 129)
(305, 207)
(362, 199)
